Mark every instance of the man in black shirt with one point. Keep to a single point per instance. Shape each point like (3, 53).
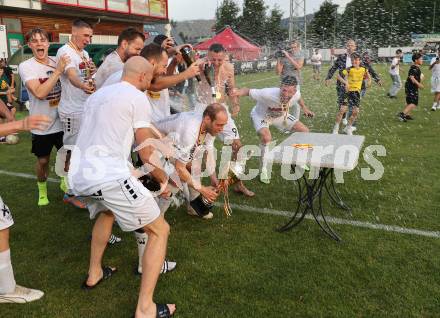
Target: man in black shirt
(412, 85)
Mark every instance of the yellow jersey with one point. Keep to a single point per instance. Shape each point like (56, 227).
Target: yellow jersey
(355, 77)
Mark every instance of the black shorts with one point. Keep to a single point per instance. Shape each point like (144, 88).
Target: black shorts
(342, 95)
(412, 96)
(42, 144)
(354, 99)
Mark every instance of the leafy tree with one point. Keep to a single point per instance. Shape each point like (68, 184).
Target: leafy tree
(227, 14)
(275, 34)
(253, 20)
(323, 27)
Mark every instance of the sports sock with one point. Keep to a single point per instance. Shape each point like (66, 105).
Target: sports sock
(7, 281)
(141, 240)
(264, 149)
(63, 185)
(42, 189)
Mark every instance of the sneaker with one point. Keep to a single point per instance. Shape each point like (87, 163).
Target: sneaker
(21, 295)
(168, 266)
(408, 117)
(349, 131)
(43, 200)
(75, 201)
(264, 178)
(434, 108)
(114, 240)
(344, 121)
(353, 128)
(401, 117)
(2, 140)
(207, 216)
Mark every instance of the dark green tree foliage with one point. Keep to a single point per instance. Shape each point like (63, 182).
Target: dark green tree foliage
(227, 14)
(253, 21)
(275, 34)
(376, 23)
(323, 26)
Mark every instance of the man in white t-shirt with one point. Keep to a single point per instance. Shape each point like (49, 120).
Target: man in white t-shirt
(76, 87)
(434, 66)
(272, 108)
(115, 117)
(316, 61)
(130, 43)
(41, 76)
(395, 74)
(193, 133)
(10, 292)
(76, 81)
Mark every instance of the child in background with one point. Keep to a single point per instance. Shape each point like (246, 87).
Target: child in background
(412, 86)
(353, 78)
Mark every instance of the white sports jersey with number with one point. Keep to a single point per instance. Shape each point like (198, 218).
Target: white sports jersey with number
(184, 129)
(33, 70)
(72, 98)
(111, 64)
(105, 140)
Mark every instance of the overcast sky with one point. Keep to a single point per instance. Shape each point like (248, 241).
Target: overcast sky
(205, 9)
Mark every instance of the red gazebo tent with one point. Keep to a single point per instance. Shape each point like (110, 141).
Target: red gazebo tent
(234, 44)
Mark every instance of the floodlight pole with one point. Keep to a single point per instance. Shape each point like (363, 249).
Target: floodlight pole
(296, 30)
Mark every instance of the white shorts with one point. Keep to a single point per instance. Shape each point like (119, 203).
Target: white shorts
(281, 123)
(71, 124)
(435, 84)
(6, 219)
(131, 203)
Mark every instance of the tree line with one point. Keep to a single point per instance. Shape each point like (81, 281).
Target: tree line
(372, 23)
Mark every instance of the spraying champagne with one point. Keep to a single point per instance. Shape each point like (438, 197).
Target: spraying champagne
(208, 71)
(188, 57)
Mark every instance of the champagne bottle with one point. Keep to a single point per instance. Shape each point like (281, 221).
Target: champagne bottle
(208, 71)
(188, 57)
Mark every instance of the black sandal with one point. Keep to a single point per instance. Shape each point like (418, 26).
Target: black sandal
(162, 311)
(107, 272)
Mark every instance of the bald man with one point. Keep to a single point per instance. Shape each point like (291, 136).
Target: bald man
(115, 118)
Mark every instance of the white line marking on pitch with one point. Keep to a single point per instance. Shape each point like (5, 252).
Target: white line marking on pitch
(330, 219)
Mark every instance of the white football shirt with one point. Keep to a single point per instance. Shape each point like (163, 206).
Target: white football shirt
(111, 117)
(111, 64)
(268, 101)
(184, 130)
(72, 98)
(33, 70)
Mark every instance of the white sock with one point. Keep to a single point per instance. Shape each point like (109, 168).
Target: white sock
(7, 281)
(264, 149)
(336, 127)
(141, 240)
(435, 105)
